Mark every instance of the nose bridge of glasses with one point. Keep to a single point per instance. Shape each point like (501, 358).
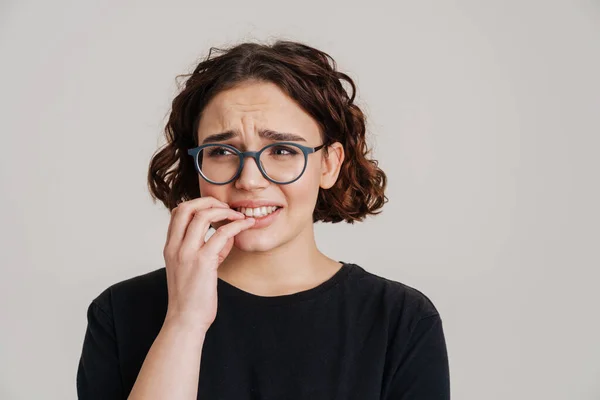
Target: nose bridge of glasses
(248, 157)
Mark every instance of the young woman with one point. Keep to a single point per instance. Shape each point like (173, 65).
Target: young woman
(262, 142)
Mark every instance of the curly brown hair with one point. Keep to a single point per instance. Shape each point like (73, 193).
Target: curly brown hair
(306, 75)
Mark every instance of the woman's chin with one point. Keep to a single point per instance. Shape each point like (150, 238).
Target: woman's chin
(250, 240)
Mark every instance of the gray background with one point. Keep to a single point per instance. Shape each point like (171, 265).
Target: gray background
(485, 116)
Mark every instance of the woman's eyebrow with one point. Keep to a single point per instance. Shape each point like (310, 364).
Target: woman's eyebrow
(263, 133)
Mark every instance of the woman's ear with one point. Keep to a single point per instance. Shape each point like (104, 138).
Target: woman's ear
(331, 164)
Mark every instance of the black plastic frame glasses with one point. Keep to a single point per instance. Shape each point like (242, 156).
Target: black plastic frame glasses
(252, 154)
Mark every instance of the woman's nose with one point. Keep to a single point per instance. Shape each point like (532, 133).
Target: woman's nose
(250, 177)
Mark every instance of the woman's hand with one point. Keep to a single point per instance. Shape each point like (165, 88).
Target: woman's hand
(192, 264)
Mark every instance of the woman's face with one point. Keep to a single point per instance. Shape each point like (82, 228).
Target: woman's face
(246, 110)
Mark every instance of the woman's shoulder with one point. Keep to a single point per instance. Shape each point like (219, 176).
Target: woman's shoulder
(395, 294)
(137, 292)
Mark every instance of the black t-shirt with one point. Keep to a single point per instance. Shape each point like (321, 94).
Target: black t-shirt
(355, 336)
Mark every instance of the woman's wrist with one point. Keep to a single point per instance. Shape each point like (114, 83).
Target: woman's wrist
(185, 323)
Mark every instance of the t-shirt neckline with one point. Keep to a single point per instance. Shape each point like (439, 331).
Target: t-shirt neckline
(227, 289)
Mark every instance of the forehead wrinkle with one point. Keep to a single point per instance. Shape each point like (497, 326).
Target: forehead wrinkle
(239, 110)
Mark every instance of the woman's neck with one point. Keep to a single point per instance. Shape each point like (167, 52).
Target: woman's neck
(292, 267)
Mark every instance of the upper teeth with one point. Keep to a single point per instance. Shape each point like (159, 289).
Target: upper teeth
(258, 211)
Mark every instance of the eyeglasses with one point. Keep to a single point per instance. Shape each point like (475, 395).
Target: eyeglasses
(281, 162)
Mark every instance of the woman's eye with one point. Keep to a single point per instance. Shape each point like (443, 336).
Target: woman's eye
(219, 151)
(283, 151)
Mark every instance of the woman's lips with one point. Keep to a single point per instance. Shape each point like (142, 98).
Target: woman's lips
(265, 221)
(257, 212)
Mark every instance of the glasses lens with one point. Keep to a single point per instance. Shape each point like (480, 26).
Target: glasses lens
(282, 163)
(218, 163)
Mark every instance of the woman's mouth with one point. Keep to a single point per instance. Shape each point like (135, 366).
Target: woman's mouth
(264, 216)
(258, 212)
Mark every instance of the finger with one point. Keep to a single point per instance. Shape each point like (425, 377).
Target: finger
(219, 239)
(171, 222)
(184, 212)
(196, 231)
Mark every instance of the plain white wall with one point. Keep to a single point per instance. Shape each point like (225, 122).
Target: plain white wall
(484, 115)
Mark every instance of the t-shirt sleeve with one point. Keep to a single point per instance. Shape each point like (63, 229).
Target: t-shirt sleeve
(423, 372)
(98, 375)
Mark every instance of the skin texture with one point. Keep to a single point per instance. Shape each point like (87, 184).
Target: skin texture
(283, 257)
